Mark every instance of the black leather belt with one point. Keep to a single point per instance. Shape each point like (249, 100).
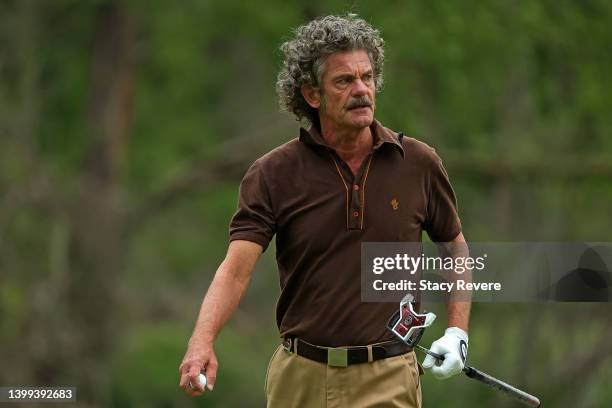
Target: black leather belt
(345, 356)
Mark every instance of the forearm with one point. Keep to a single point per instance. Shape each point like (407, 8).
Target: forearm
(219, 304)
(458, 314)
(459, 302)
(227, 288)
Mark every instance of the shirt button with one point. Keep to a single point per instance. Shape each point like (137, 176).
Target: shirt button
(356, 187)
(355, 213)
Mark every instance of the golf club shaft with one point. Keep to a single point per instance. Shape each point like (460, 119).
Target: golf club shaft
(431, 353)
(491, 381)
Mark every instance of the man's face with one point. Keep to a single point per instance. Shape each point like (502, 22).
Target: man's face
(347, 90)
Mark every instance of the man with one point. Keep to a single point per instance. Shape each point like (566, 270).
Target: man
(312, 193)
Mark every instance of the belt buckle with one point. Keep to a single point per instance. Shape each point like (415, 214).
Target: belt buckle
(337, 357)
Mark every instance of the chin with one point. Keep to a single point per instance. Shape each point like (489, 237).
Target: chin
(363, 121)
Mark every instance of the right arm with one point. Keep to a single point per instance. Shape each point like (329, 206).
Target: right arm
(222, 298)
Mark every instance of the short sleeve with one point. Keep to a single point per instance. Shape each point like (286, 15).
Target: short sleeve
(254, 219)
(442, 222)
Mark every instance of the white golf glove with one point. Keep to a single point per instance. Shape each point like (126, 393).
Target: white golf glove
(453, 346)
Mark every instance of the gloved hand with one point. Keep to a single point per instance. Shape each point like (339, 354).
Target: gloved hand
(453, 346)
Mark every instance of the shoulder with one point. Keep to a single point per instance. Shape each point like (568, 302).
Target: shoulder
(288, 150)
(420, 152)
(280, 158)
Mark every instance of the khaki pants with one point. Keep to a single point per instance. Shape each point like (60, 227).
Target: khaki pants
(295, 381)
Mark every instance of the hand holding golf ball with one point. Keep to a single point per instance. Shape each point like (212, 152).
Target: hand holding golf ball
(198, 370)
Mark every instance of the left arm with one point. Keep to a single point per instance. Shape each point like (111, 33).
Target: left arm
(443, 222)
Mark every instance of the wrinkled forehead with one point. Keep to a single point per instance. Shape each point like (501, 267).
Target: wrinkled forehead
(348, 62)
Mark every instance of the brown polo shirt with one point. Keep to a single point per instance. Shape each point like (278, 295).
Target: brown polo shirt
(320, 212)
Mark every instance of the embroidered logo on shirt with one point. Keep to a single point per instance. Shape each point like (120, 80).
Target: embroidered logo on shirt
(394, 204)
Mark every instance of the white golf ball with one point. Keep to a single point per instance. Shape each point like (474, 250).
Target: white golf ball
(202, 380)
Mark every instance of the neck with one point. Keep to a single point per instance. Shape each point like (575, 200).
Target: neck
(350, 143)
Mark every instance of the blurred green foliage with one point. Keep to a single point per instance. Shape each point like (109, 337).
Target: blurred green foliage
(514, 96)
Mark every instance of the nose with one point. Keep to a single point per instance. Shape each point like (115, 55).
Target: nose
(360, 87)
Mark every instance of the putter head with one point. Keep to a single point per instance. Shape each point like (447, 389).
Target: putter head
(407, 324)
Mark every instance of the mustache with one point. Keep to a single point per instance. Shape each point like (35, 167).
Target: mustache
(358, 103)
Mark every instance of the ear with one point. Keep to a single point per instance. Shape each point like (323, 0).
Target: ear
(311, 95)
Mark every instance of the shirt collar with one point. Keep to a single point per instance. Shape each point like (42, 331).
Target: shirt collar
(382, 135)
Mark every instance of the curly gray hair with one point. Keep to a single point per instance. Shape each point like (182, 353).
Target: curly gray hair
(306, 53)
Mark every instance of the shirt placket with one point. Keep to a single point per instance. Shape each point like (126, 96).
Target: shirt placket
(355, 194)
